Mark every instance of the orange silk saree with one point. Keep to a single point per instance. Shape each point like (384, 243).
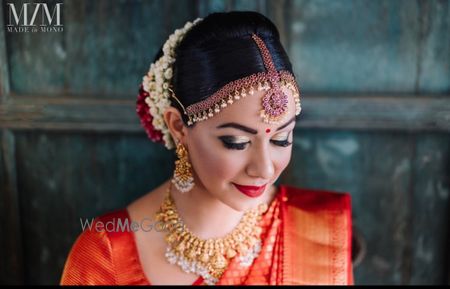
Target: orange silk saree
(306, 240)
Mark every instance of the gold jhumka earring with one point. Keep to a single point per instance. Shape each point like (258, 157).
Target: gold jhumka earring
(182, 176)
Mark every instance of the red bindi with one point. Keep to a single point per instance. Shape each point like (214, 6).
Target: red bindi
(268, 130)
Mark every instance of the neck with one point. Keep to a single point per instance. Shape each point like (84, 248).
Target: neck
(204, 215)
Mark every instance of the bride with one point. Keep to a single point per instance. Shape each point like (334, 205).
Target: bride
(222, 93)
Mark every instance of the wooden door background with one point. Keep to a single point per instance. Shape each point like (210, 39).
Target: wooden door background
(375, 123)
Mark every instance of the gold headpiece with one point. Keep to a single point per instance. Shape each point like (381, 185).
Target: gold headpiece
(274, 102)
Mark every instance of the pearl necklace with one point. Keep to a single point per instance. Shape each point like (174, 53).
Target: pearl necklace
(209, 258)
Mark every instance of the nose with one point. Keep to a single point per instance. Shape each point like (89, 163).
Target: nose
(261, 164)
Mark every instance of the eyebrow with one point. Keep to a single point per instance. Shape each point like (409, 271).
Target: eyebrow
(238, 126)
(286, 124)
(251, 130)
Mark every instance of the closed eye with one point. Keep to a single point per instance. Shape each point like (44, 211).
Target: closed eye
(282, 139)
(233, 143)
(241, 143)
(281, 143)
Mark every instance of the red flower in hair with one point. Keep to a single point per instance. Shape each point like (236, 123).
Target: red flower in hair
(143, 110)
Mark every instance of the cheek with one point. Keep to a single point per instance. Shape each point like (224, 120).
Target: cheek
(212, 163)
(281, 160)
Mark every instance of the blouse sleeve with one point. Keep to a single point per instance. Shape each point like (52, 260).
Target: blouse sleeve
(89, 261)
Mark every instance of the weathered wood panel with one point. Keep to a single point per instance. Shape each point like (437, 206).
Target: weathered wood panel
(430, 242)
(434, 47)
(256, 5)
(361, 112)
(277, 12)
(204, 7)
(12, 264)
(4, 71)
(3, 232)
(353, 46)
(391, 209)
(371, 46)
(64, 177)
(36, 60)
(104, 50)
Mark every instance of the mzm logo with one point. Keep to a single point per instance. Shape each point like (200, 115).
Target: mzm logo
(34, 17)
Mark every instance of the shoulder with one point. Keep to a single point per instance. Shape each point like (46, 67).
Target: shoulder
(314, 199)
(90, 260)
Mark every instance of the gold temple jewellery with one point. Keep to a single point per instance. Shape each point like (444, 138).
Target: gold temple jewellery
(182, 176)
(274, 102)
(209, 258)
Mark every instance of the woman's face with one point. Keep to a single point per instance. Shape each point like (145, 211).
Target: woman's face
(235, 147)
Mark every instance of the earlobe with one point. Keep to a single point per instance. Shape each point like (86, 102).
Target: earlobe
(175, 124)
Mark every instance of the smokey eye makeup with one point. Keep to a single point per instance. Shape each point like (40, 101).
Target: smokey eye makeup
(281, 143)
(282, 140)
(240, 143)
(234, 143)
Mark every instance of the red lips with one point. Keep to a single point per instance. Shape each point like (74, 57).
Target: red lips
(251, 191)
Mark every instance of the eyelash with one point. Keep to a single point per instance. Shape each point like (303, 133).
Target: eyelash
(241, 146)
(235, 146)
(281, 143)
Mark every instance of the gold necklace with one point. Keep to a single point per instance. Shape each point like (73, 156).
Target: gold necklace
(209, 258)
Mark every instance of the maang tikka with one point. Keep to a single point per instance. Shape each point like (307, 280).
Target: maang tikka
(182, 176)
(274, 102)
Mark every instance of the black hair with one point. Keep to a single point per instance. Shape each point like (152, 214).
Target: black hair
(220, 49)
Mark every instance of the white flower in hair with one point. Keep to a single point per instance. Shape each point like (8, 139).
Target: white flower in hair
(157, 82)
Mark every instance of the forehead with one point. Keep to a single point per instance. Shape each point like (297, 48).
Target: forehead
(247, 110)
